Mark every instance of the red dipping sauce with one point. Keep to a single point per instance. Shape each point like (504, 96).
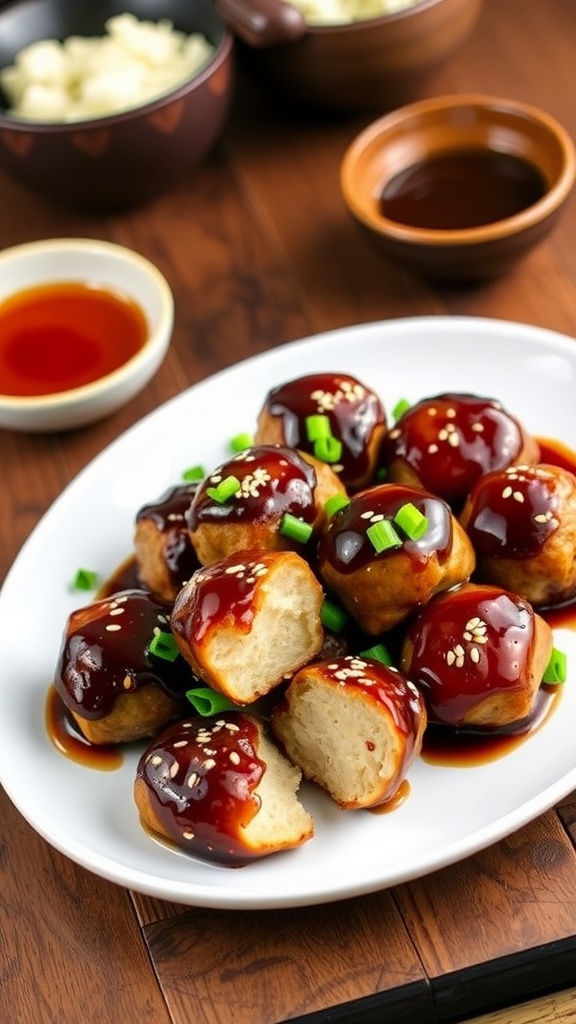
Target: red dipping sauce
(61, 336)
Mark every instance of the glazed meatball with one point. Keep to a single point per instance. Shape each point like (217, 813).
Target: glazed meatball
(219, 789)
(112, 672)
(389, 551)
(353, 414)
(165, 556)
(478, 654)
(354, 726)
(246, 502)
(446, 443)
(522, 524)
(246, 622)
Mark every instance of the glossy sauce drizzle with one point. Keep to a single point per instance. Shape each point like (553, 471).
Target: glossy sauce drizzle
(467, 748)
(70, 742)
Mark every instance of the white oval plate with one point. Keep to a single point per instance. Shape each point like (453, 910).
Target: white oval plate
(89, 815)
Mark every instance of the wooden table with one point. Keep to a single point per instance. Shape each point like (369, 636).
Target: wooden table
(259, 251)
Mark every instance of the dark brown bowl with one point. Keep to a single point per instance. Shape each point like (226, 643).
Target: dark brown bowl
(421, 131)
(376, 64)
(129, 158)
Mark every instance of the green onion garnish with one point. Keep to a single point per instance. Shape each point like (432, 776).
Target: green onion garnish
(334, 503)
(295, 529)
(318, 426)
(556, 668)
(328, 449)
(400, 408)
(241, 441)
(379, 653)
(85, 579)
(163, 645)
(413, 522)
(208, 702)
(333, 617)
(224, 490)
(383, 536)
(381, 473)
(194, 473)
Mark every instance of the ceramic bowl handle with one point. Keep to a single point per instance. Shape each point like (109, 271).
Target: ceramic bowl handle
(261, 23)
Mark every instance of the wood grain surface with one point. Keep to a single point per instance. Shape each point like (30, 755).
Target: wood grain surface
(259, 251)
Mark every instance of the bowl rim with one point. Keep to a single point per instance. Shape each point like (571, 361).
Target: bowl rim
(394, 16)
(155, 344)
(491, 231)
(222, 53)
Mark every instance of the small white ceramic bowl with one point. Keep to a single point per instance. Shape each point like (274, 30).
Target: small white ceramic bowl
(107, 266)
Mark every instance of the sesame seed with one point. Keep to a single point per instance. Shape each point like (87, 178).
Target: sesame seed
(187, 834)
(474, 655)
(173, 770)
(113, 627)
(234, 757)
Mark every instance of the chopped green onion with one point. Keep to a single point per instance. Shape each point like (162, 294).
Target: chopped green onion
(411, 520)
(383, 536)
(334, 503)
(241, 441)
(224, 490)
(295, 529)
(85, 579)
(194, 473)
(318, 426)
(379, 653)
(382, 473)
(333, 617)
(556, 668)
(163, 645)
(208, 702)
(400, 408)
(328, 449)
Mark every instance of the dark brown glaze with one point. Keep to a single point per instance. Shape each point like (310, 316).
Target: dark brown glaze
(104, 653)
(467, 748)
(462, 188)
(346, 547)
(355, 413)
(168, 514)
(223, 593)
(274, 480)
(450, 440)
(466, 645)
(513, 513)
(68, 739)
(200, 776)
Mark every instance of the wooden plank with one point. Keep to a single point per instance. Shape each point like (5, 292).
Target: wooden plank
(498, 926)
(351, 961)
(71, 948)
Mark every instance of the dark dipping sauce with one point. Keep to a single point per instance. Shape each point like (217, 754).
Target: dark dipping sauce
(462, 189)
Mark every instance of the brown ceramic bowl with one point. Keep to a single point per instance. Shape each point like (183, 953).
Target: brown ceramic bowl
(498, 150)
(374, 64)
(121, 160)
